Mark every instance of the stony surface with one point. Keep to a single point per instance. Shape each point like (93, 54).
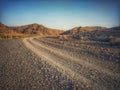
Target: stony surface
(20, 69)
(52, 64)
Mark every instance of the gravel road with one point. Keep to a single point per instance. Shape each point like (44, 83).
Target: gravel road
(21, 69)
(38, 64)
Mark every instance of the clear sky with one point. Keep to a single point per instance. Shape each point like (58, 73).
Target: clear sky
(60, 14)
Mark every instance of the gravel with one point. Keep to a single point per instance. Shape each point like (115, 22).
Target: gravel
(20, 69)
(66, 67)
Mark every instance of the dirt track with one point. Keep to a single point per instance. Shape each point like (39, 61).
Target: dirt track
(45, 65)
(89, 75)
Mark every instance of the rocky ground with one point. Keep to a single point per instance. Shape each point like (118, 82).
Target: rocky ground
(20, 69)
(54, 64)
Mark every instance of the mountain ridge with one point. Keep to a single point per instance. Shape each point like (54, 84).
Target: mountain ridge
(41, 30)
(29, 29)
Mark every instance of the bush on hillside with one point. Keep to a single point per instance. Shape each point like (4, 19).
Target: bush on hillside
(115, 41)
(5, 36)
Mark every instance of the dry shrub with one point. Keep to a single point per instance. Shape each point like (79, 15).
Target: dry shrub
(41, 34)
(115, 41)
(11, 36)
(0, 38)
(63, 37)
(82, 38)
(5, 36)
(76, 44)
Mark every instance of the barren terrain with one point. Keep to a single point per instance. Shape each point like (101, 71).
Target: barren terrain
(50, 63)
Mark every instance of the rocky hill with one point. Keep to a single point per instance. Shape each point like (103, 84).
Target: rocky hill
(31, 29)
(77, 30)
(93, 33)
(36, 29)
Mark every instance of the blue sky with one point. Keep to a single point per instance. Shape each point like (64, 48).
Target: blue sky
(60, 14)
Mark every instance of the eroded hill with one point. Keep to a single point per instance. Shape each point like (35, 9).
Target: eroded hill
(32, 29)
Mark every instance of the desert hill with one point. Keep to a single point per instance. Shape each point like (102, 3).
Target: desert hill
(85, 33)
(93, 33)
(31, 29)
(36, 29)
(77, 30)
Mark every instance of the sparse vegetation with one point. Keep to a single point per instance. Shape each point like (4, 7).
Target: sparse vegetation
(115, 41)
(5, 36)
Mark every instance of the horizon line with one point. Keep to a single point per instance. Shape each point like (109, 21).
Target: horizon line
(58, 28)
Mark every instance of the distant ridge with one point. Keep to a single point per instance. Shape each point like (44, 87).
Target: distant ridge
(77, 30)
(31, 29)
(37, 29)
(93, 33)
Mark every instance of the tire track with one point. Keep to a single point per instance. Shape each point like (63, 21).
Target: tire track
(77, 60)
(75, 52)
(66, 71)
(89, 71)
(76, 69)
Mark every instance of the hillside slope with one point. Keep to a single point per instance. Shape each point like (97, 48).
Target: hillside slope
(77, 30)
(31, 29)
(93, 33)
